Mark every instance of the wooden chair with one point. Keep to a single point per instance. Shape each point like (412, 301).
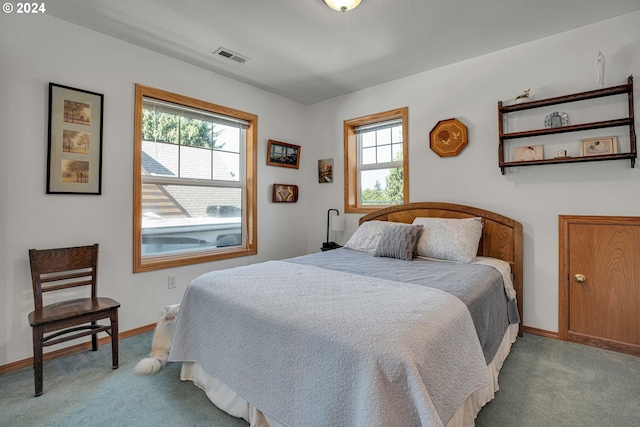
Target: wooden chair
(59, 269)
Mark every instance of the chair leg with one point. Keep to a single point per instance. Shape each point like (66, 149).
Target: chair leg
(94, 339)
(38, 333)
(114, 339)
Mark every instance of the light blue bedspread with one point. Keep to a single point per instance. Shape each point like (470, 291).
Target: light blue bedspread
(313, 347)
(479, 287)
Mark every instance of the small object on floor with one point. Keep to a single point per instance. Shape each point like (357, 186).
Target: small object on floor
(161, 343)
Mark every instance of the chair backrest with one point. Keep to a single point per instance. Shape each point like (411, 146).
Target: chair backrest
(63, 268)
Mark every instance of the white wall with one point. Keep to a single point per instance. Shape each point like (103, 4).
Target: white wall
(38, 49)
(469, 91)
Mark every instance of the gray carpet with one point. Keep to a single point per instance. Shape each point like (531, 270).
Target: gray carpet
(544, 382)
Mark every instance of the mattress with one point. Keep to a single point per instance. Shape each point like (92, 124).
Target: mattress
(461, 375)
(484, 286)
(229, 401)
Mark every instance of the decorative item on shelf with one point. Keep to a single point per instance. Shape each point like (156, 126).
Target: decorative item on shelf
(599, 146)
(448, 137)
(325, 170)
(600, 68)
(562, 154)
(283, 154)
(556, 120)
(528, 153)
(74, 159)
(337, 224)
(285, 193)
(342, 5)
(523, 97)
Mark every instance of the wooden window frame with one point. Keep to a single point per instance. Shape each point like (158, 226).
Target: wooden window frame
(351, 184)
(250, 243)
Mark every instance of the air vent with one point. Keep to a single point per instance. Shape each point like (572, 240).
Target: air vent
(227, 54)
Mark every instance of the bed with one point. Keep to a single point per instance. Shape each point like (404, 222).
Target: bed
(408, 324)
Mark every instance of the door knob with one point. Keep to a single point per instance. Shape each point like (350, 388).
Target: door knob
(579, 278)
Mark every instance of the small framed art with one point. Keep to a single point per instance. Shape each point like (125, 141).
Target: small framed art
(74, 158)
(283, 154)
(528, 153)
(598, 146)
(285, 193)
(448, 137)
(325, 170)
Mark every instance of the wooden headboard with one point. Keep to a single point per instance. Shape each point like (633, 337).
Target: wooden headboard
(501, 236)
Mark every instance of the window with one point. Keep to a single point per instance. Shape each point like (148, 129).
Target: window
(194, 181)
(376, 161)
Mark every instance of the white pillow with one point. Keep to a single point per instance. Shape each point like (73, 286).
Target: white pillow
(366, 237)
(449, 238)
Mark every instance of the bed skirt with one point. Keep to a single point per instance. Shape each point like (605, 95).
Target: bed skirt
(233, 404)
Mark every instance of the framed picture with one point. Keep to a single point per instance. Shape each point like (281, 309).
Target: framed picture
(448, 137)
(285, 193)
(325, 170)
(598, 146)
(528, 153)
(74, 158)
(283, 154)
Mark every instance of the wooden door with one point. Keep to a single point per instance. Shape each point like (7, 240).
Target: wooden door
(600, 282)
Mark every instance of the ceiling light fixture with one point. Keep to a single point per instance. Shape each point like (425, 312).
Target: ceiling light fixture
(342, 5)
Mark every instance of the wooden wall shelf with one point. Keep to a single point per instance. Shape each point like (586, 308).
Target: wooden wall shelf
(582, 96)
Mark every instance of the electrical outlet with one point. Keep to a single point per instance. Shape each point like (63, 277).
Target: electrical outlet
(172, 282)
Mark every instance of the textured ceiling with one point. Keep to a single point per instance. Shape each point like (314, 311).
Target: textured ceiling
(307, 52)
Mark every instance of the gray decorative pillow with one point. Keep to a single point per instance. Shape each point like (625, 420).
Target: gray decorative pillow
(398, 241)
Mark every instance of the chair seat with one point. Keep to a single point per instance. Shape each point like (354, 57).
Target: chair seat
(71, 309)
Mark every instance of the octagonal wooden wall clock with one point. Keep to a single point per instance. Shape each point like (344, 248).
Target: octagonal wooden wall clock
(448, 137)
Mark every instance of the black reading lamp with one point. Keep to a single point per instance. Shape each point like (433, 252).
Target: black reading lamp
(336, 225)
